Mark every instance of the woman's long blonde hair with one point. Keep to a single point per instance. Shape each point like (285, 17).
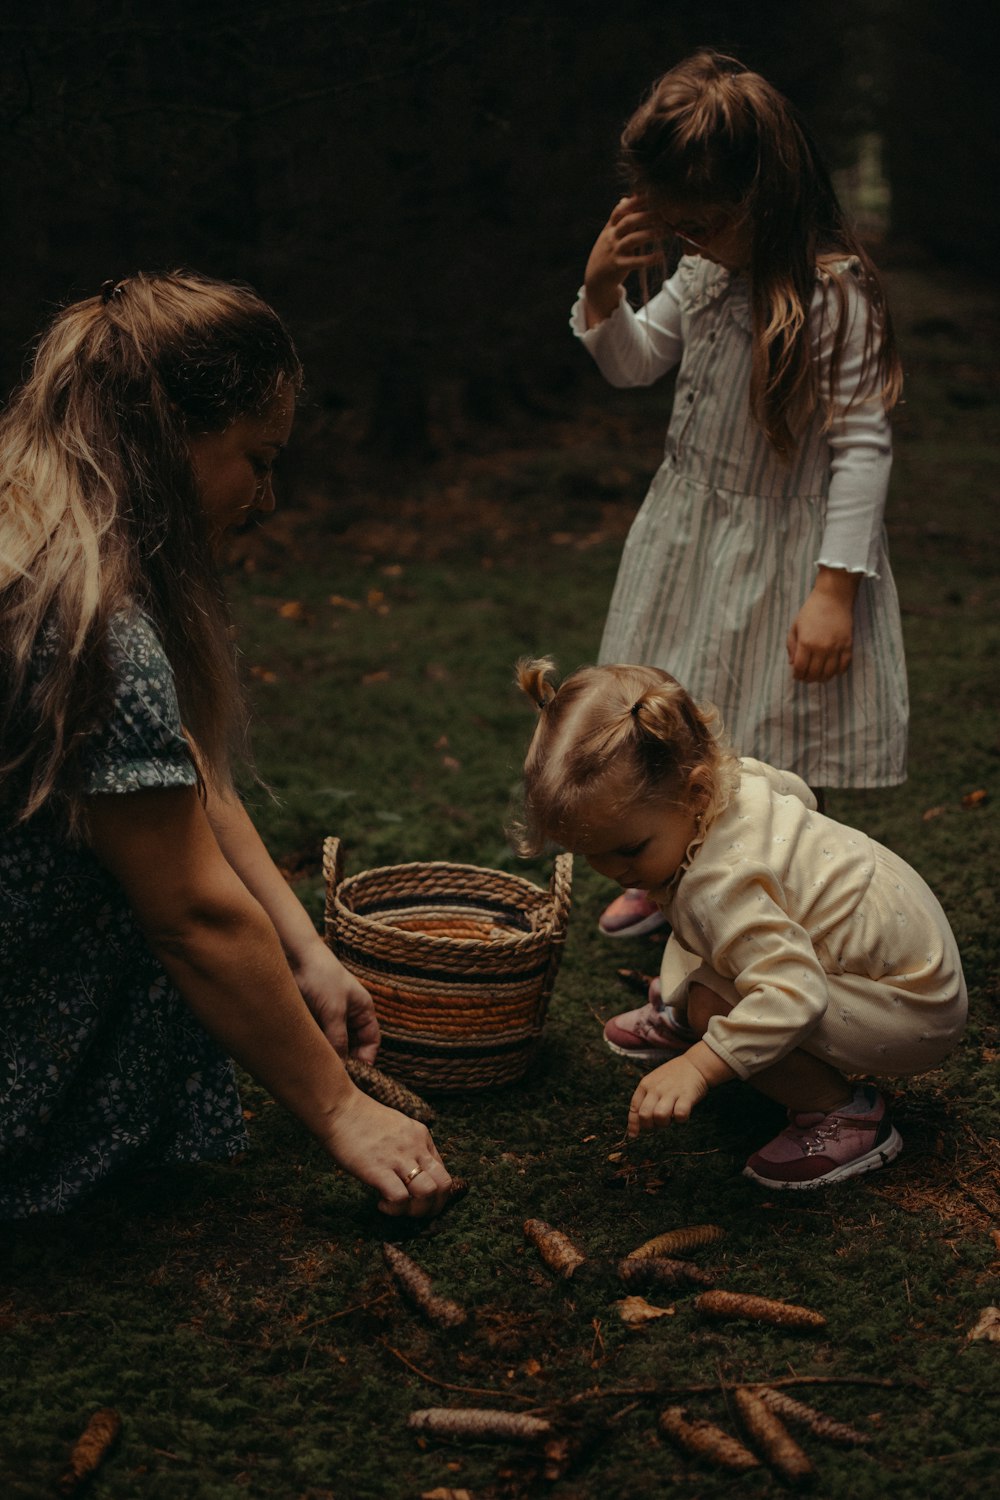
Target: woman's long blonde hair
(632, 728)
(100, 514)
(713, 133)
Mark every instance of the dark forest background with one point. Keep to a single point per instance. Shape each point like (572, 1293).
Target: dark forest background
(415, 185)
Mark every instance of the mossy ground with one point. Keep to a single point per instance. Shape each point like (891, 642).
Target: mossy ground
(240, 1317)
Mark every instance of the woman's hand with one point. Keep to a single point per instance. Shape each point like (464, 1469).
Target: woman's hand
(628, 241)
(820, 641)
(669, 1092)
(383, 1148)
(340, 1003)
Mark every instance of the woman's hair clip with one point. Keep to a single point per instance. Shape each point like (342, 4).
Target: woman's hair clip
(112, 288)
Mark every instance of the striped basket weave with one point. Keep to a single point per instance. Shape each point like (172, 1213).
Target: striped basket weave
(460, 962)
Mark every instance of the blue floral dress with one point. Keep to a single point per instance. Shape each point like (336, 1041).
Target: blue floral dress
(102, 1065)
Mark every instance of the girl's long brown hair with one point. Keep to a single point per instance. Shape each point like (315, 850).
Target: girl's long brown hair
(100, 515)
(712, 133)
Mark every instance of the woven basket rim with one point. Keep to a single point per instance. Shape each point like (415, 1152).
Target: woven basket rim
(443, 864)
(513, 936)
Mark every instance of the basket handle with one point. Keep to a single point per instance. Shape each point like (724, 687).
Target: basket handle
(560, 888)
(333, 874)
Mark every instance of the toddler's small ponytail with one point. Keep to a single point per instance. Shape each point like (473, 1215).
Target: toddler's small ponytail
(532, 677)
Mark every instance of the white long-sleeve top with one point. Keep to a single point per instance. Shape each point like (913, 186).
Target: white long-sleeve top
(816, 926)
(634, 348)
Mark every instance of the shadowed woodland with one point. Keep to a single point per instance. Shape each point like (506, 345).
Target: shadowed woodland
(415, 187)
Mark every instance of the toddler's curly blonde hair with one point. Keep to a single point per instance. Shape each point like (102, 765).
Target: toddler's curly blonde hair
(633, 729)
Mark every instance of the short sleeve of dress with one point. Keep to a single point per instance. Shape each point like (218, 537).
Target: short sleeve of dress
(143, 744)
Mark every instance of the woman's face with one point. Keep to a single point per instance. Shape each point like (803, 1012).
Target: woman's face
(232, 468)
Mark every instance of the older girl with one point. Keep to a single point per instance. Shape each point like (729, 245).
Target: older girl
(145, 935)
(802, 952)
(756, 570)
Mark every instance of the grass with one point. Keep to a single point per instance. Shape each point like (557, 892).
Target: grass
(240, 1318)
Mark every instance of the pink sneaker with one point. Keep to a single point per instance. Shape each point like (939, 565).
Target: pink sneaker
(653, 1033)
(631, 915)
(815, 1149)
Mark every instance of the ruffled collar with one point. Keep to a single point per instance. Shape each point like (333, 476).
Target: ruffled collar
(703, 282)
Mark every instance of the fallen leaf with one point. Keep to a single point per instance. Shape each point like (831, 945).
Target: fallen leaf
(450, 763)
(442, 743)
(975, 799)
(340, 602)
(933, 812)
(635, 1311)
(392, 570)
(374, 597)
(532, 1367)
(371, 677)
(435, 672)
(988, 1326)
(293, 609)
(263, 674)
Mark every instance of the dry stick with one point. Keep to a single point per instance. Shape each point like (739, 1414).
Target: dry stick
(90, 1449)
(419, 1288)
(807, 1416)
(662, 1392)
(771, 1436)
(446, 1385)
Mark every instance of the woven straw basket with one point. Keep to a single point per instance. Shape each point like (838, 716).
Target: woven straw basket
(460, 962)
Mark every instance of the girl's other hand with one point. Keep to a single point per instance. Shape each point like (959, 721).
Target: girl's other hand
(628, 241)
(382, 1148)
(339, 1002)
(822, 635)
(669, 1092)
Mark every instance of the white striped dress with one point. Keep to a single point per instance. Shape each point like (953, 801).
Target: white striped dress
(723, 553)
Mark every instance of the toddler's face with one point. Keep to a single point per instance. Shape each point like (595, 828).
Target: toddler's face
(639, 844)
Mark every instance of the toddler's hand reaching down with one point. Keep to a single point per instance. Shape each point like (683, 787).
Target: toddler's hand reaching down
(669, 1092)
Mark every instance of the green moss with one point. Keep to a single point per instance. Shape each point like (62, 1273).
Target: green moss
(241, 1318)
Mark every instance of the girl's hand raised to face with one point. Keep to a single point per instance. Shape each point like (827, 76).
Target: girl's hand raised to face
(628, 241)
(669, 1092)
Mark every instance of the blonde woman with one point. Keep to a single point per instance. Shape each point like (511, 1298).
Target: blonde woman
(146, 938)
